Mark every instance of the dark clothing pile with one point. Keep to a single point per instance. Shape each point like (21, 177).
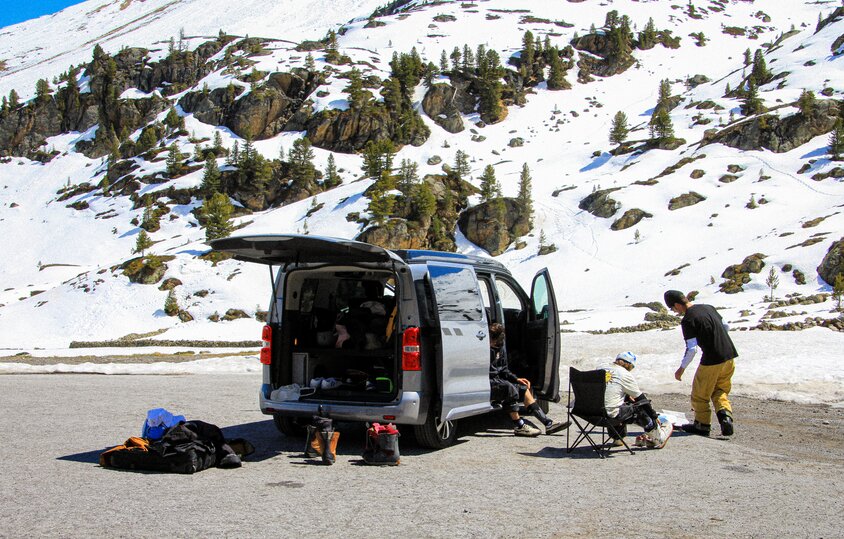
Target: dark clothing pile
(189, 447)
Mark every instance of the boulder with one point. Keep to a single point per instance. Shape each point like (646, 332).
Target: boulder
(687, 199)
(600, 204)
(832, 264)
(604, 60)
(439, 105)
(349, 131)
(494, 225)
(396, 234)
(146, 270)
(630, 218)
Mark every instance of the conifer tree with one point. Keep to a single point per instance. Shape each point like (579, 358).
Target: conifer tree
(424, 202)
(443, 62)
(455, 59)
(664, 98)
(14, 99)
(302, 169)
(309, 62)
(332, 178)
(806, 102)
(760, 68)
(378, 157)
(408, 176)
(751, 102)
(557, 74)
(619, 129)
(171, 304)
(838, 290)
(42, 90)
(173, 120)
(355, 90)
(661, 126)
(468, 59)
(174, 161)
(528, 53)
(836, 140)
(217, 148)
(147, 140)
(490, 188)
(647, 37)
(381, 203)
(210, 177)
(461, 165)
(748, 57)
(217, 211)
(525, 197)
(142, 242)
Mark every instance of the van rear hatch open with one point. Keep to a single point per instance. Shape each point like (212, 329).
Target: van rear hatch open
(281, 249)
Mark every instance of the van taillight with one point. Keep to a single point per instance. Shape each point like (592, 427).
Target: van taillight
(267, 349)
(411, 357)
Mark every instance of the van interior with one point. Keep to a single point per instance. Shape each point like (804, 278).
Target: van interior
(338, 334)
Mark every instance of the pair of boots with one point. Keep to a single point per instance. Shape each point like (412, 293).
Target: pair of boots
(382, 445)
(322, 440)
(725, 419)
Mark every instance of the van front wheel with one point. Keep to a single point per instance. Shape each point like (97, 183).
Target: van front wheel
(289, 426)
(434, 433)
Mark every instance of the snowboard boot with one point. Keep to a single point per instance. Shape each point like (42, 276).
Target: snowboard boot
(726, 421)
(697, 427)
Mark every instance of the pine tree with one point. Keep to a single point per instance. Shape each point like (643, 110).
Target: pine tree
(661, 126)
(836, 140)
(619, 129)
(332, 178)
(806, 102)
(210, 177)
(217, 148)
(408, 176)
(357, 94)
(528, 53)
(751, 102)
(14, 99)
(147, 140)
(171, 304)
(664, 98)
(381, 204)
(310, 65)
(424, 202)
(378, 157)
(461, 165)
(772, 281)
(490, 188)
(557, 74)
(142, 242)
(172, 120)
(217, 211)
(838, 290)
(748, 57)
(42, 90)
(443, 62)
(760, 68)
(524, 198)
(302, 169)
(174, 161)
(455, 59)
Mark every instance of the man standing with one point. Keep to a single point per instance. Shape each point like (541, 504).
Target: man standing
(703, 327)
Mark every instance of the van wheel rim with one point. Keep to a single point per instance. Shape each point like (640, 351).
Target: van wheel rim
(444, 429)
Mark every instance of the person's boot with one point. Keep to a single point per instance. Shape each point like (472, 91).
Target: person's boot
(556, 426)
(697, 427)
(726, 421)
(526, 429)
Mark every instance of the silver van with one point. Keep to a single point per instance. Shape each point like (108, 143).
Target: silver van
(371, 334)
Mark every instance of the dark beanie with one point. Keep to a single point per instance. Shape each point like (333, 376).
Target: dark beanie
(674, 296)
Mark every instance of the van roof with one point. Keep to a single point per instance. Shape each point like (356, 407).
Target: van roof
(420, 256)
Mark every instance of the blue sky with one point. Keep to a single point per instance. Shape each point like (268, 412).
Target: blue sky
(15, 11)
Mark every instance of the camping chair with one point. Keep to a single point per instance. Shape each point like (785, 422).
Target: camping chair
(588, 406)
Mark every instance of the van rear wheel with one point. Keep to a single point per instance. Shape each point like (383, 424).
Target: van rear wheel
(289, 426)
(434, 433)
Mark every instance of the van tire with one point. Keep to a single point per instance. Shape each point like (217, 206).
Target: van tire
(289, 426)
(433, 434)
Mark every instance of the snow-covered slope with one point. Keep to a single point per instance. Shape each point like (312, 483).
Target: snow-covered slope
(598, 273)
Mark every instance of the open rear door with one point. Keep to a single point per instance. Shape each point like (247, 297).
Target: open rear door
(281, 249)
(463, 364)
(544, 327)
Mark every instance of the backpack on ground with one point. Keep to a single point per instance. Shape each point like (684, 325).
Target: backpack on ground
(382, 445)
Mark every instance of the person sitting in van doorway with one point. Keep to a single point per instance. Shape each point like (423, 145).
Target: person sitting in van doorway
(510, 390)
(625, 401)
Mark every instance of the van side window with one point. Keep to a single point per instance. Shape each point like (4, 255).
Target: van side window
(456, 293)
(508, 297)
(486, 296)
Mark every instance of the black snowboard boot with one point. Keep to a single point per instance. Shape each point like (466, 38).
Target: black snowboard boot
(697, 427)
(726, 421)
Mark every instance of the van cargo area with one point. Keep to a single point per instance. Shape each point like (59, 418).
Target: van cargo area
(338, 334)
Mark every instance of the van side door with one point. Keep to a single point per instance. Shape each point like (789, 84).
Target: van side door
(463, 365)
(543, 328)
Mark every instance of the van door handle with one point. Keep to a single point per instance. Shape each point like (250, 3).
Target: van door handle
(480, 335)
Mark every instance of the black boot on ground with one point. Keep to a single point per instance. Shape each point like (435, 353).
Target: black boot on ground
(697, 427)
(726, 421)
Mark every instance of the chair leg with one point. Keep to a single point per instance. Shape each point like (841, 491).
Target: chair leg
(585, 430)
(616, 434)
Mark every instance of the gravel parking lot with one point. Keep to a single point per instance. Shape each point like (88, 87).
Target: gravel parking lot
(779, 475)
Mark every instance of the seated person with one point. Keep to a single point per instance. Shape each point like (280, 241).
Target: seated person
(625, 401)
(507, 388)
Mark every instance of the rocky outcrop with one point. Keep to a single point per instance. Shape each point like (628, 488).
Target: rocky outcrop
(630, 218)
(439, 105)
(687, 199)
(396, 234)
(779, 134)
(604, 60)
(739, 274)
(146, 270)
(494, 225)
(600, 204)
(832, 264)
(277, 105)
(348, 131)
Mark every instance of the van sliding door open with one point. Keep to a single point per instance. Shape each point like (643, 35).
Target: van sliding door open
(463, 365)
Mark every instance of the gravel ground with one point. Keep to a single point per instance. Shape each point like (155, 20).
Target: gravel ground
(778, 476)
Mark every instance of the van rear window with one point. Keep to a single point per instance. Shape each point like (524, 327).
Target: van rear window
(456, 293)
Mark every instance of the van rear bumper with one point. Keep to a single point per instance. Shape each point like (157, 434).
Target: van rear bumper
(408, 409)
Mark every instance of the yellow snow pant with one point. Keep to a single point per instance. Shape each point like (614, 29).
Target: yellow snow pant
(712, 383)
